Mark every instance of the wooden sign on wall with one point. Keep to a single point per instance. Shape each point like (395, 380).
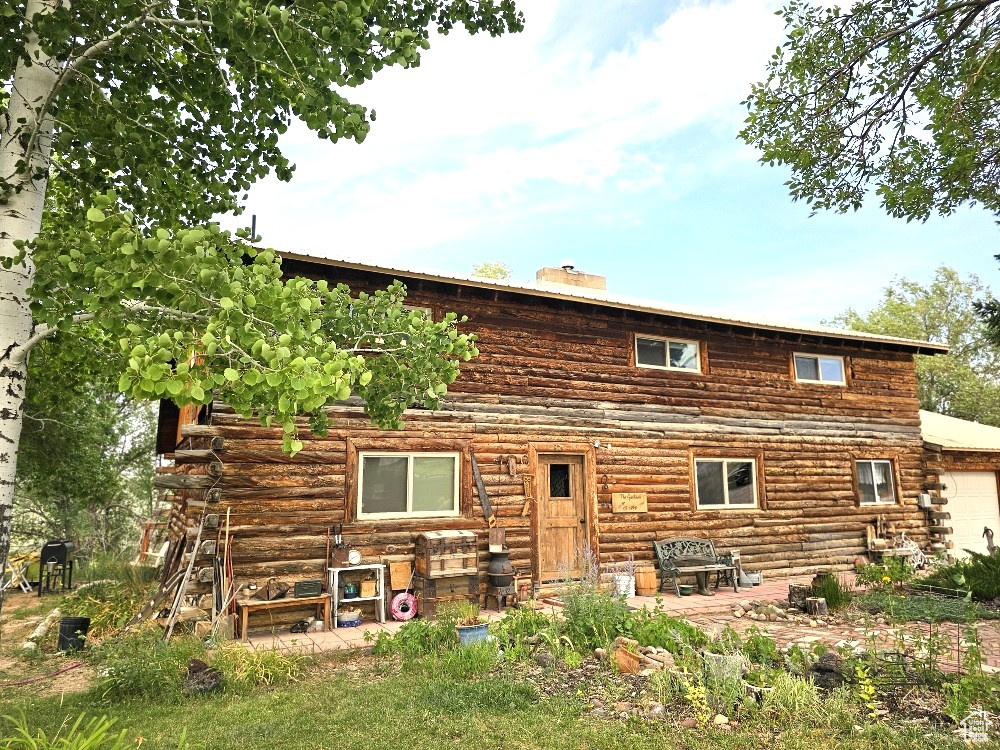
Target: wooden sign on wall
(628, 502)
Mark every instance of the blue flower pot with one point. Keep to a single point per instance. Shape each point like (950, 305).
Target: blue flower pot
(469, 634)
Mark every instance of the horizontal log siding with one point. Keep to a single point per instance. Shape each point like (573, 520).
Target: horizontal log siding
(554, 348)
(281, 506)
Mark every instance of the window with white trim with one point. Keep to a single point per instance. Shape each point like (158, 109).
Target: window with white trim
(667, 354)
(407, 485)
(417, 308)
(819, 368)
(875, 482)
(722, 483)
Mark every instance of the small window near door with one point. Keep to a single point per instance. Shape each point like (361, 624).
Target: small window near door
(816, 368)
(725, 483)
(875, 484)
(559, 480)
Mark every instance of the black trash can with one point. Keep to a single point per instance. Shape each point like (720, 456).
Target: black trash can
(73, 633)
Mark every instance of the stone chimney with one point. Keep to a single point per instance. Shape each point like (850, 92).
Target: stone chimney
(566, 275)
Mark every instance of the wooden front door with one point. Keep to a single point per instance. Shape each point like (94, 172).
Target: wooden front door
(562, 516)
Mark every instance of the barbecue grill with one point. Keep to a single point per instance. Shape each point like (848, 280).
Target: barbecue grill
(56, 565)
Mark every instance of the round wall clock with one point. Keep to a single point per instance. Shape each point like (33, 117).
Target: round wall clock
(354, 557)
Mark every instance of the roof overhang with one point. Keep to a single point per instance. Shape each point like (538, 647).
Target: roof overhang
(603, 299)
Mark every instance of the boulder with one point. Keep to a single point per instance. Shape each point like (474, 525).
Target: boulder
(201, 678)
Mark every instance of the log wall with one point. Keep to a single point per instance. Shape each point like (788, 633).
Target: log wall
(553, 373)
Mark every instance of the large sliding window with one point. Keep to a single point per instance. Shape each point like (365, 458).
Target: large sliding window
(407, 485)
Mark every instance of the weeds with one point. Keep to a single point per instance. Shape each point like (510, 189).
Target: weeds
(592, 618)
(243, 669)
(837, 594)
(82, 734)
(139, 665)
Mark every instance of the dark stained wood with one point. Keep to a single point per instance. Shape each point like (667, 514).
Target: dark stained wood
(560, 378)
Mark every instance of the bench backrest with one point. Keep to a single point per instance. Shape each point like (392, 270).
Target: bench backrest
(668, 549)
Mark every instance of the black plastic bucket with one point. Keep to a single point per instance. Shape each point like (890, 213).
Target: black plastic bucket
(73, 633)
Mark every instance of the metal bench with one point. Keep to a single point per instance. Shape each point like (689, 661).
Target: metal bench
(683, 555)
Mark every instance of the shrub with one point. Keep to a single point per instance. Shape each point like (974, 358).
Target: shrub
(831, 588)
(760, 648)
(792, 699)
(243, 669)
(656, 628)
(418, 638)
(138, 664)
(118, 591)
(518, 625)
(979, 574)
(593, 618)
(893, 573)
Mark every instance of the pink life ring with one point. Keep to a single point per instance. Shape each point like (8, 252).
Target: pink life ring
(403, 606)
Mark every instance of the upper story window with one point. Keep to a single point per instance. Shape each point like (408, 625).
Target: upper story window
(819, 368)
(407, 485)
(875, 484)
(722, 483)
(417, 308)
(667, 354)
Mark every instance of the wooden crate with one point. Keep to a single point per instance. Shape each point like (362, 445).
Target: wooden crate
(447, 553)
(436, 588)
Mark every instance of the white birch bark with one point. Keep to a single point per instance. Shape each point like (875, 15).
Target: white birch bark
(25, 127)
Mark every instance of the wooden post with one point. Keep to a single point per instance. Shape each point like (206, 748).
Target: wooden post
(816, 606)
(797, 595)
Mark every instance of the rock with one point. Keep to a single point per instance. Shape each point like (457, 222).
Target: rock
(656, 711)
(623, 707)
(772, 617)
(720, 719)
(544, 659)
(827, 672)
(739, 612)
(600, 713)
(690, 723)
(201, 678)
(745, 604)
(600, 654)
(647, 672)
(820, 622)
(813, 623)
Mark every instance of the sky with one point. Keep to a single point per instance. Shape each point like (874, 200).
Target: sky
(604, 134)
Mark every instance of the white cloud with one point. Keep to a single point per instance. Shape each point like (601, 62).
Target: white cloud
(494, 130)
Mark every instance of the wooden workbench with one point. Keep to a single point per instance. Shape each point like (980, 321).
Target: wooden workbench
(245, 606)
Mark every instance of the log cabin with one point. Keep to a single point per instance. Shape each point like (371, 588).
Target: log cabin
(595, 421)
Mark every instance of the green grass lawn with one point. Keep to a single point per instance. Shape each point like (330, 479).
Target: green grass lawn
(369, 711)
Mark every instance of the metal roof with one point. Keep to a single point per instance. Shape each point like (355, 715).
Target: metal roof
(621, 302)
(951, 433)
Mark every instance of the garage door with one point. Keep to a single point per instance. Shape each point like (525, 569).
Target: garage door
(972, 502)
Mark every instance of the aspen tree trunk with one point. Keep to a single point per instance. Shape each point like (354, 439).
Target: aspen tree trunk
(20, 221)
